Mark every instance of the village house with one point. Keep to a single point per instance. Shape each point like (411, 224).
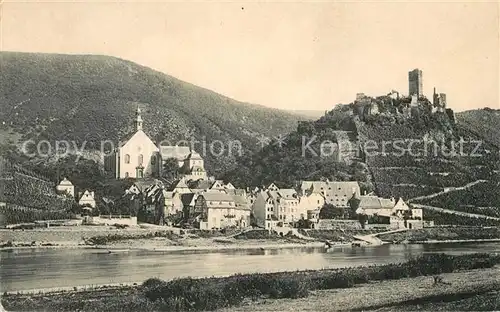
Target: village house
(277, 207)
(66, 187)
(173, 205)
(188, 205)
(397, 213)
(310, 202)
(87, 199)
(216, 210)
(264, 210)
(336, 193)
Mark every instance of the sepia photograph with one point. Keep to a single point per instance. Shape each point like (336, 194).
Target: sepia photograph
(166, 155)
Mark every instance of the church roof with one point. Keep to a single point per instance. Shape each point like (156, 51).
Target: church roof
(177, 152)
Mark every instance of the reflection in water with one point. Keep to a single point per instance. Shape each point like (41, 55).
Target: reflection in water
(27, 269)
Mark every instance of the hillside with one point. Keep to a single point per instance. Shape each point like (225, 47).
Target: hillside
(28, 197)
(482, 121)
(389, 170)
(93, 98)
(312, 114)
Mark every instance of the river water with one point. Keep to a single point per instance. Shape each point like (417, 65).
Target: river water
(49, 268)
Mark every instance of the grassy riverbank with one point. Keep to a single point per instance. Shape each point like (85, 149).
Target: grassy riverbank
(464, 233)
(189, 294)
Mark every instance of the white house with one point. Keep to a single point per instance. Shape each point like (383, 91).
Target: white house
(87, 198)
(220, 210)
(375, 206)
(65, 186)
(311, 202)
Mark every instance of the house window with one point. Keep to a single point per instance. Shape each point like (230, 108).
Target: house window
(127, 158)
(141, 159)
(153, 160)
(126, 174)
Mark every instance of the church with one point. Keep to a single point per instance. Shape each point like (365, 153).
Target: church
(137, 156)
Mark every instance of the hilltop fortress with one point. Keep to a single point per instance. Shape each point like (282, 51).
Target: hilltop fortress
(413, 104)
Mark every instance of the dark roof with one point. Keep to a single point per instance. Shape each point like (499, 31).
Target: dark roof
(187, 198)
(201, 184)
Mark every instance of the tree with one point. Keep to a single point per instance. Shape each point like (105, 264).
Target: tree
(304, 224)
(329, 211)
(353, 203)
(170, 169)
(362, 220)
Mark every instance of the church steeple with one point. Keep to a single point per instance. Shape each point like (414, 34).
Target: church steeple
(138, 119)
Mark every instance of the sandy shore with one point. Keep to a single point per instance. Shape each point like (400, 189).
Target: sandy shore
(134, 239)
(377, 295)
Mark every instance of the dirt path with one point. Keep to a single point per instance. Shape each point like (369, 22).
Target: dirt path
(383, 294)
(460, 213)
(455, 189)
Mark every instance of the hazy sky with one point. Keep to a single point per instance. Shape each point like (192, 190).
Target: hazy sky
(288, 55)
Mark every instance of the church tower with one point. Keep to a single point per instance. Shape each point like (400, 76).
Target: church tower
(138, 119)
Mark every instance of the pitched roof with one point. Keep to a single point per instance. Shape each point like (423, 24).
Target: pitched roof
(181, 184)
(241, 202)
(217, 196)
(240, 192)
(177, 152)
(287, 193)
(143, 184)
(194, 156)
(374, 202)
(127, 138)
(200, 184)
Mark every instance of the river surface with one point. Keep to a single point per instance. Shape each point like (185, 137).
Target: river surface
(48, 268)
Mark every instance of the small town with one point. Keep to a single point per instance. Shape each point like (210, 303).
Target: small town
(256, 156)
(196, 200)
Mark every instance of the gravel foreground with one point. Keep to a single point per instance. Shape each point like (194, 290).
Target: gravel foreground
(482, 287)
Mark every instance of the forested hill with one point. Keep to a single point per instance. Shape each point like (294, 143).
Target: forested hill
(93, 98)
(484, 122)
